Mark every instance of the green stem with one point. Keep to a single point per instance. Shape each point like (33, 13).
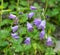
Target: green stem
(46, 1)
(35, 52)
(28, 3)
(17, 6)
(1, 12)
(44, 10)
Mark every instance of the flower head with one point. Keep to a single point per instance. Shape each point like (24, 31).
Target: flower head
(29, 26)
(42, 34)
(33, 8)
(30, 15)
(49, 41)
(14, 35)
(15, 28)
(42, 25)
(27, 40)
(37, 22)
(11, 16)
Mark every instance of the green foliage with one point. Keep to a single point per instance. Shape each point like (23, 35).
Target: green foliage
(6, 22)
(12, 46)
(3, 44)
(23, 31)
(4, 34)
(23, 18)
(49, 51)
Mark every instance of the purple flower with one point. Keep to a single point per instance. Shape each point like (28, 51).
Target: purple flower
(29, 26)
(30, 15)
(15, 28)
(11, 16)
(42, 34)
(49, 41)
(42, 25)
(27, 41)
(37, 22)
(14, 35)
(33, 8)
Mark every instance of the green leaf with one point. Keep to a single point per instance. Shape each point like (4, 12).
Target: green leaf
(49, 51)
(24, 18)
(52, 12)
(34, 34)
(18, 48)
(3, 44)
(55, 12)
(6, 21)
(36, 5)
(27, 47)
(41, 47)
(4, 34)
(12, 7)
(17, 45)
(24, 3)
(23, 30)
(5, 4)
(51, 3)
(1, 7)
(50, 28)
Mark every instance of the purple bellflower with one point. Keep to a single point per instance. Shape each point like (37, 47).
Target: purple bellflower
(14, 35)
(30, 15)
(37, 22)
(11, 16)
(42, 34)
(27, 41)
(49, 41)
(33, 8)
(29, 26)
(42, 25)
(15, 28)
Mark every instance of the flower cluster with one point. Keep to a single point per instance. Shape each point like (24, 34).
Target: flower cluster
(38, 22)
(14, 28)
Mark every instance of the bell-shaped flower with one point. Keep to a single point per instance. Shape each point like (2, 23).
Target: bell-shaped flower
(37, 22)
(14, 35)
(42, 34)
(30, 15)
(33, 8)
(11, 16)
(29, 26)
(42, 25)
(27, 41)
(49, 41)
(15, 28)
